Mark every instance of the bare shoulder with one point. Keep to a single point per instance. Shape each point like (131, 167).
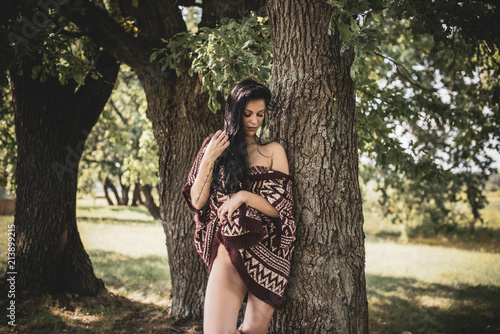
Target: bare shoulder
(280, 161)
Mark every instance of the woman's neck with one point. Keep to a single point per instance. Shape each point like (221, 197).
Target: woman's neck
(251, 139)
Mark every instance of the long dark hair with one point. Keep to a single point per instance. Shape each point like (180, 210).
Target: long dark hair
(234, 159)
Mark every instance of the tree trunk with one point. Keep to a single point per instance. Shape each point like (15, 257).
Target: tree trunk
(106, 193)
(150, 204)
(111, 186)
(52, 123)
(315, 120)
(125, 198)
(124, 190)
(186, 109)
(136, 196)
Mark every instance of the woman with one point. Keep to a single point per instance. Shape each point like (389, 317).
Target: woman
(240, 192)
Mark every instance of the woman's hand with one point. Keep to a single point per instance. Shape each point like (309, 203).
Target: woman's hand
(217, 145)
(231, 203)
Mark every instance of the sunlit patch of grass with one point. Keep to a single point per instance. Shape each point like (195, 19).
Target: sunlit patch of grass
(146, 279)
(433, 264)
(134, 240)
(102, 212)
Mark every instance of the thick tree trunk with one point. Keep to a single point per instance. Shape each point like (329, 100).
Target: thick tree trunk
(150, 204)
(315, 120)
(181, 120)
(52, 123)
(136, 196)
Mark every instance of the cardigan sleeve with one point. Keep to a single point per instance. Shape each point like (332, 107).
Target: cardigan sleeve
(200, 215)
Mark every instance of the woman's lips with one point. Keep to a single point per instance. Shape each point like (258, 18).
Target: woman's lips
(253, 129)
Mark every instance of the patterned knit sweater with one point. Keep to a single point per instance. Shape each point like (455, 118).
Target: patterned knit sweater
(260, 246)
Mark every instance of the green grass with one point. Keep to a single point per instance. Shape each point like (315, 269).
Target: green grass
(398, 304)
(145, 279)
(443, 286)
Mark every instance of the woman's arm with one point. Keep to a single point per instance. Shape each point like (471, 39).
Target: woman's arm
(259, 203)
(200, 191)
(255, 201)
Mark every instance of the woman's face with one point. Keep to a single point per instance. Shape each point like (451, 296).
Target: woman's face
(253, 116)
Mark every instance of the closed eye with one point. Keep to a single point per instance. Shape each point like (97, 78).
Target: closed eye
(261, 115)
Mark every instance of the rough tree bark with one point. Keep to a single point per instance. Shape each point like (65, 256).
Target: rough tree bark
(315, 120)
(50, 138)
(179, 116)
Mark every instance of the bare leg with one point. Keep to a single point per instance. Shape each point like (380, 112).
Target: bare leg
(224, 296)
(257, 316)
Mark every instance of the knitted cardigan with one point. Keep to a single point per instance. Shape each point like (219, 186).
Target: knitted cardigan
(260, 246)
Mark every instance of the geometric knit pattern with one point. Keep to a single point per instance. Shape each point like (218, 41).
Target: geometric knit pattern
(260, 246)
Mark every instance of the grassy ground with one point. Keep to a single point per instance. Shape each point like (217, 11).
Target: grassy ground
(443, 286)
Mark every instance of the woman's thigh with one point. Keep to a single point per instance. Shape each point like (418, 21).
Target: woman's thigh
(258, 315)
(224, 296)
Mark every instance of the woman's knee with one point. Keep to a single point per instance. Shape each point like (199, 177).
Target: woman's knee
(258, 315)
(253, 328)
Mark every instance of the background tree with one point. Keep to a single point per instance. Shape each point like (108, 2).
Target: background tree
(55, 107)
(428, 110)
(122, 147)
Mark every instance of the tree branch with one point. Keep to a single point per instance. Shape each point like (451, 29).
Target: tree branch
(115, 109)
(407, 76)
(94, 94)
(154, 19)
(188, 3)
(105, 31)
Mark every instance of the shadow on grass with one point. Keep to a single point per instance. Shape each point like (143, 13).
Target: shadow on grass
(138, 304)
(406, 304)
(143, 277)
(108, 313)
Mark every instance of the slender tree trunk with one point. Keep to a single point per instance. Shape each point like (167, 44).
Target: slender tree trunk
(106, 193)
(136, 196)
(125, 198)
(111, 186)
(315, 120)
(124, 190)
(150, 204)
(52, 123)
